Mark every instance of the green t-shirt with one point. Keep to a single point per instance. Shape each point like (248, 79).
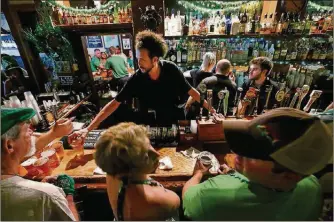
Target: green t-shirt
(233, 197)
(94, 63)
(118, 66)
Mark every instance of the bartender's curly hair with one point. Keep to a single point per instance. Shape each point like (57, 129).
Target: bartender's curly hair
(153, 42)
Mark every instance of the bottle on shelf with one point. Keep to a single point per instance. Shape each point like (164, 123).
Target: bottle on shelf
(235, 25)
(285, 23)
(184, 53)
(222, 30)
(178, 52)
(228, 24)
(166, 22)
(271, 52)
(89, 17)
(105, 17)
(308, 23)
(243, 23)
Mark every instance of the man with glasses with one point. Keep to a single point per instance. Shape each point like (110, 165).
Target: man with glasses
(259, 71)
(276, 155)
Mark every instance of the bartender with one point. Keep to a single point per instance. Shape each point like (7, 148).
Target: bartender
(259, 71)
(157, 84)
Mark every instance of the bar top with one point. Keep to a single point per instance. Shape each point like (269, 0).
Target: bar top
(81, 167)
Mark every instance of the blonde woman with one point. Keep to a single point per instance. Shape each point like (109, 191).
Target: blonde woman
(124, 152)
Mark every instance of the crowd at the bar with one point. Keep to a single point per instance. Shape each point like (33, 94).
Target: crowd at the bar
(277, 153)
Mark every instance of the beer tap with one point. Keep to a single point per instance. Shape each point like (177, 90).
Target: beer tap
(315, 94)
(295, 97)
(209, 99)
(227, 94)
(202, 89)
(256, 102)
(285, 101)
(237, 100)
(247, 100)
(221, 96)
(268, 93)
(304, 92)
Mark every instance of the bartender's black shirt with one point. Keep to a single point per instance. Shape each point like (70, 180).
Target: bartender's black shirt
(217, 83)
(163, 95)
(198, 75)
(262, 96)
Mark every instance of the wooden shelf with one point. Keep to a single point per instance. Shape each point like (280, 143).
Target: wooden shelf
(119, 27)
(280, 36)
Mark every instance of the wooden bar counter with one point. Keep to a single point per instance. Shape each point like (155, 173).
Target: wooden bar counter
(81, 167)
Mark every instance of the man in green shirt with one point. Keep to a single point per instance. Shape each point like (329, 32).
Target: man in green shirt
(95, 61)
(118, 66)
(276, 155)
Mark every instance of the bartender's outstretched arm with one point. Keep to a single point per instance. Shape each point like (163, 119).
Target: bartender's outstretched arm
(77, 138)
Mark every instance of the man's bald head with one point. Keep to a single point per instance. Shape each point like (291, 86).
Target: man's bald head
(223, 67)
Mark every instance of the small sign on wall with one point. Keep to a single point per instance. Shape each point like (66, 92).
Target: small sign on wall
(126, 44)
(66, 80)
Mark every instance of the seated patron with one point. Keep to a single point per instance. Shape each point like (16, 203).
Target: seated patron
(124, 152)
(276, 155)
(259, 71)
(23, 199)
(218, 82)
(197, 75)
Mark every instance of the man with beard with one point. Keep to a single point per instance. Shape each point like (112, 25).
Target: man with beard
(158, 84)
(23, 199)
(259, 71)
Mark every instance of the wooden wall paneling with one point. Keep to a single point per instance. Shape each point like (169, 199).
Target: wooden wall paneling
(30, 63)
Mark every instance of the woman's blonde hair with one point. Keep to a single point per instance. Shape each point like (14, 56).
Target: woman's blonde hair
(123, 149)
(208, 59)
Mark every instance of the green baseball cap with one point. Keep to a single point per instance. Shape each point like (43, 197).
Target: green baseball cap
(12, 116)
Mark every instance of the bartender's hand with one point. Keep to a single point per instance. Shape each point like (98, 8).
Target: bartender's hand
(62, 127)
(212, 110)
(218, 118)
(201, 169)
(77, 138)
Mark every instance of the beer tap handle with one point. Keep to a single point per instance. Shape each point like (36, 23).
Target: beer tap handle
(315, 94)
(295, 97)
(227, 94)
(304, 92)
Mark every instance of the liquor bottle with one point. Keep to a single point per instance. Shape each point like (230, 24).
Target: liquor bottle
(64, 18)
(271, 52)
(166, 21)
(243, 23)
(84, 17)
(89, 17)
(79, 17)
(223, 51)
(284, 50)
(248, 28)
(217, 23)
(280, 24)
(257, 25)
(191, 30)
(289, 29)
(323, 51)
(55, 17)
(75, 18)
(222, 30)
(190, 52)
(111, 15)
(256, 50)
(321, 22)
(285, 23)
(105, 17)
(228, 24)
(274, 24)
(278, 50)
(178, 52)
(120, 15)
(289, 51)
(101, 17)
(211, 25)
(184, 53)
(294, 51)
(299, 25)
(69, 18)
(126, 15)
(178, 24)
(308, 22)
(253, 22)
(314, 24)
(235, 25)
(173, 54)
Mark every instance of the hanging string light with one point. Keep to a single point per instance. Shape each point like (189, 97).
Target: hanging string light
(314, 6)
(214, 6)
(110, 4)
